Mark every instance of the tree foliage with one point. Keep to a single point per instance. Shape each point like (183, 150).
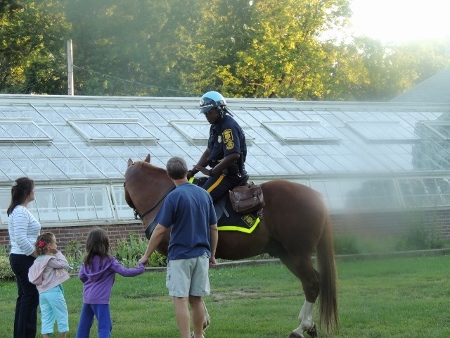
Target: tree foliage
(32, 55)
(243, 48)
(287, 57)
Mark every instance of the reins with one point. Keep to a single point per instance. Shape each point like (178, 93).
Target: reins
(136, 214)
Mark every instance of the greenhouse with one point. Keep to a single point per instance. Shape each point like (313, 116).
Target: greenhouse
(362, 157)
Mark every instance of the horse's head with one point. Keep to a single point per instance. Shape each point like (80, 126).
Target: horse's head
(127, 194)
(145, 187)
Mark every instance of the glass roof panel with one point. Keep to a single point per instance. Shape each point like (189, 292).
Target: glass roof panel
(303, 163)
(111, 130)
(305, 131)
(382, 131)
(76, 168)
(10, 169)
(197, 131)
(441, 129)
(107, 168)
(56, 113)
(194, 130)
(3, 176)
(23, 130)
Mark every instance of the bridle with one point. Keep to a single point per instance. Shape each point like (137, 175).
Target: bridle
(141, 217)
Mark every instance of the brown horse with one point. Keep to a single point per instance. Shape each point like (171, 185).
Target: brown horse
(295, 224)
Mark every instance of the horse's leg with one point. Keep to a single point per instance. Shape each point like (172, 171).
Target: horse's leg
(206, 319)
(302, 267)
(306, 321)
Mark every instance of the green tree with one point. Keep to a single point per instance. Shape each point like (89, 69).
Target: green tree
(386, 71)
(32, 45)
(224, 30)
(283, 55)
(414, 62)
(132, 47)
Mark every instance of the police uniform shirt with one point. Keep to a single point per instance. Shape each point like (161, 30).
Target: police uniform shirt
(225, 138)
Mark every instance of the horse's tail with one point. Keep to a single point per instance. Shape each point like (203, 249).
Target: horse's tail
(328, 312)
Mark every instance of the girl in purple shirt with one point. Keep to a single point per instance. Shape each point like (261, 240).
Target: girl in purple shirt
(97, 274)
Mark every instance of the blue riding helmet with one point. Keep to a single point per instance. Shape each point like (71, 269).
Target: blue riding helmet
(211, 100)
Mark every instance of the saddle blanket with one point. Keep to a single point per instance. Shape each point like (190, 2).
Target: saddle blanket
(235, 222)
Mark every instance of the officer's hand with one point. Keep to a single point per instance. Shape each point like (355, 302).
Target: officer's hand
(190, 174)
(203, 170)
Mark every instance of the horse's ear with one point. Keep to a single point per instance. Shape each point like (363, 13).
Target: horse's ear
(147, 159)
(130, 162)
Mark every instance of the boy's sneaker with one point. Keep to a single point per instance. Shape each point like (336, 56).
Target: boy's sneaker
(192, 335)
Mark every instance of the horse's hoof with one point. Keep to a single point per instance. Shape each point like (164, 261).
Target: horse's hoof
(206, 323)
(312, 331)
(295, 335)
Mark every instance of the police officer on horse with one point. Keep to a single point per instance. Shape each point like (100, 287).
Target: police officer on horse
(226, 151)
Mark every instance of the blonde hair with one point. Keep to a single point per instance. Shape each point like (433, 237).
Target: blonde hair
(42, 242)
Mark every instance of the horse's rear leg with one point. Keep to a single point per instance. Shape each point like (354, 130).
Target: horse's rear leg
(306, 322)
(206, 319)
(304, 270)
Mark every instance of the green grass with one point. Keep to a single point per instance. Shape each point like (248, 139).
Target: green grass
(398, 297)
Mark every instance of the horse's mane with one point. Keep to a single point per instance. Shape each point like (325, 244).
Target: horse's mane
(143, 173)
(148, 166)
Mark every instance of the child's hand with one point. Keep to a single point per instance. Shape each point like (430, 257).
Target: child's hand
(52, 249)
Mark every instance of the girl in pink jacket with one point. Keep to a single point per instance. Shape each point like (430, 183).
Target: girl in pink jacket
(48, 272)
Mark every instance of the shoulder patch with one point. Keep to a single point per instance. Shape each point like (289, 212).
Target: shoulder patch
(228, 140)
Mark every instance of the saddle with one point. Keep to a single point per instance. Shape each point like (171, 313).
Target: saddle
(240, 210)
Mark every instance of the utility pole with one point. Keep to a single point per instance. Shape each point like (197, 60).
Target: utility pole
(70, 88)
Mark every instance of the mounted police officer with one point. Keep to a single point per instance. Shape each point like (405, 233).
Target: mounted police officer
(226, 151)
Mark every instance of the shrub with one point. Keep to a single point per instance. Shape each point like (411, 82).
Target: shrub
(345, 245)
(128, 252)
(6, 272)
(421, 236)
(74, 253)
(157, 259)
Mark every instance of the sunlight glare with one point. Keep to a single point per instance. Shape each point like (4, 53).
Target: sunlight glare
(401, 20)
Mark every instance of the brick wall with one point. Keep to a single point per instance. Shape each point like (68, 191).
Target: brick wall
(78, 234)
(385, 224)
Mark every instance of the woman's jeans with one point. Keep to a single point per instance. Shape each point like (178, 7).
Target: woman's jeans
(25, 320)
